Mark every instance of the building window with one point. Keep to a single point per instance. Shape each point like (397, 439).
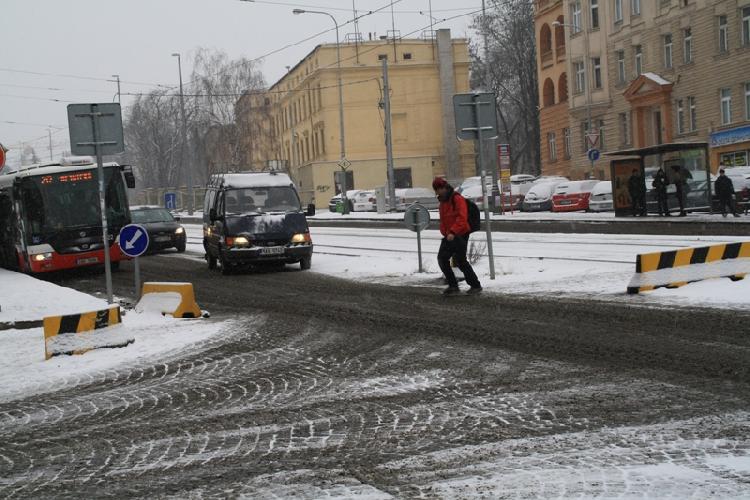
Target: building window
(687, 46)
(620, 66)
(693, 114)
(580, 77)
(680, 117)
(635, 7)
(575, 15)
(566, 145)
(596, 62)
(624, 129)
(723, 35)
(601, 146)
(594, 14)
(726, 106)
(668, 51)
(746, 26)
(382, 57)
(638, 60)
(747, 101)
(407, 56)
(618, 11)
(552, 146)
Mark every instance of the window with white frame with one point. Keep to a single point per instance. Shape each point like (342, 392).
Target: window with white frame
(723, 35)
(746, 26)
(594, 14)
(680, 117)
(596, 66)
(567, 142)
(747, 101)
(638, 50)
(635, 7)
(552, 146)
(693, 114)
(668, 51)
(618, 11)
(726, 106)
(620, 66)
(575, 16)
(687, 46)
(580, 72)
(624, 129)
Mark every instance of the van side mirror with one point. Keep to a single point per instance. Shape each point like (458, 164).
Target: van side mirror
(310, 210)
(127, 173)
(212, 214)
(176, 218)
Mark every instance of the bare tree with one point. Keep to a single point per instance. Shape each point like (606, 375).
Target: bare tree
(509, 69)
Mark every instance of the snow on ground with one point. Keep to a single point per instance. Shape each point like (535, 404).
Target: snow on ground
(579, 265)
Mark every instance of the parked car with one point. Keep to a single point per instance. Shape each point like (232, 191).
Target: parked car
(572, 196)
(601, 197)
(539, 197)
(364, 201)
(409, 196)
(333, 203)
(164, 230)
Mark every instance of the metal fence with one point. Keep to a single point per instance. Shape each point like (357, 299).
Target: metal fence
(158, 196)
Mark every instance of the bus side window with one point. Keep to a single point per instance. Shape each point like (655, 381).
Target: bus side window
(33, 205)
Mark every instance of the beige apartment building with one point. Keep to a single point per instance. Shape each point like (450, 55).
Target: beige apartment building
(424, 75)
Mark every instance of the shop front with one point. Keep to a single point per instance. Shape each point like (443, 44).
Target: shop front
(730, 148)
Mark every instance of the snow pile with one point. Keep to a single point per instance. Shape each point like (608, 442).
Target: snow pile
(159, 303)
(69, 343)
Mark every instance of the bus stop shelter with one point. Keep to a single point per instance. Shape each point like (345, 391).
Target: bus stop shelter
(686, 160)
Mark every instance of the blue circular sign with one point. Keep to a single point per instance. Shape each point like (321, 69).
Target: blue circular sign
(594, 154)
(133, 240)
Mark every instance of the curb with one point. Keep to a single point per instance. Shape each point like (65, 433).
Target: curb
(21, 325)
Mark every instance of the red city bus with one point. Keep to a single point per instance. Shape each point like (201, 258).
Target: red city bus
(50, 217)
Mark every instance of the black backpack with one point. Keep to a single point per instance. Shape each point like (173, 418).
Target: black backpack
(475, 222)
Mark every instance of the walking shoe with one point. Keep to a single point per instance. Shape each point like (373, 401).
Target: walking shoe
(474, 290)
(451, 290)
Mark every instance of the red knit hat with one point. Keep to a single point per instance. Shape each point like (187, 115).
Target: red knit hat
(438, 183)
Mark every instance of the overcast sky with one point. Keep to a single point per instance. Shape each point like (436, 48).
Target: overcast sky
(95, 39)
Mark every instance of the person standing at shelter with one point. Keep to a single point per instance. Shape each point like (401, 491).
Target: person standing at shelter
(637, 191)
(680, 183)
(660, 186)
(725, 192)
(455, 228)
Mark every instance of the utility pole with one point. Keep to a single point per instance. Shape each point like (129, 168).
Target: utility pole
(185, 162)
(49, 134)
(117, 77)
(388, 137)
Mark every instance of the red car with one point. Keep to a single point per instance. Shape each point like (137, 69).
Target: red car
(572, 196)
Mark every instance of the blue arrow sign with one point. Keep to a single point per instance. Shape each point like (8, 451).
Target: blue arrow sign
(594, 154)
(133, 240)
(170, 201)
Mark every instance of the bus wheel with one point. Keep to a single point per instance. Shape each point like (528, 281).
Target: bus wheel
(211, 261)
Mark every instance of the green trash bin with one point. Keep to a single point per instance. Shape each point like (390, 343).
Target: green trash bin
(340, 207)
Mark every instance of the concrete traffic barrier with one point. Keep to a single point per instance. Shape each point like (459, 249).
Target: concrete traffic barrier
(676, 268)
(79, 333)
(176, 299)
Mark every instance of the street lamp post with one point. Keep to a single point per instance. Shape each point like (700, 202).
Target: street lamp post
(297, 12)
(188, 169)
(587, 83)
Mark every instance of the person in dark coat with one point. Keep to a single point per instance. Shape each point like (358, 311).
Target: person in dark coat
(637, 191)
(454, 226)
(680, 177)
(725, 192)
(660, 184)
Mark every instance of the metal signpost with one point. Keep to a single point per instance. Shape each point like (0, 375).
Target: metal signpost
(417, 218)
(592, 139)
(96, 129)
(472, 123)
(133, 240)
(503, 157)
(344, 164)
(170, 201)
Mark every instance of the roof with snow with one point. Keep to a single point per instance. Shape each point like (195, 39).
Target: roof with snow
(251, 180)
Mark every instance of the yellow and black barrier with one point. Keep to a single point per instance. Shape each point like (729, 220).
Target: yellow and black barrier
(176, 299)
(676, 268)
(79, 333)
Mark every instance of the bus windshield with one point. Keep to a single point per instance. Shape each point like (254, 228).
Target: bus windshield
(71, 199)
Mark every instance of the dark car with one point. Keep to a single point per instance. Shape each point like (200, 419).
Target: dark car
(164, 230)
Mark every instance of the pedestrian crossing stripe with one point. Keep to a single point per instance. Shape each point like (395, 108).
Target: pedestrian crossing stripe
(676, 268)
(61, 333)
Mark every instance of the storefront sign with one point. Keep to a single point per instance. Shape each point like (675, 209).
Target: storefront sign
(733, 136)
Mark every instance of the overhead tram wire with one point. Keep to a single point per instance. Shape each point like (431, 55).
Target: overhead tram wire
(79, 77)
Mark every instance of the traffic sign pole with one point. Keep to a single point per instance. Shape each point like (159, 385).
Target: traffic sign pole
(133, 240)
(417, 218)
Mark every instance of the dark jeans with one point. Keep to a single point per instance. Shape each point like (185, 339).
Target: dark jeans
(661, 198)
(680, 193)
(727, 201)
(456, 249)
(639, 205)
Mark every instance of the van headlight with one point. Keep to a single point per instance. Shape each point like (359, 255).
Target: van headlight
(300, 238)
(237, 241)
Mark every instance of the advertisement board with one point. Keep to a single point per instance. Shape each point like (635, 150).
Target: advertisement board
(621, 172)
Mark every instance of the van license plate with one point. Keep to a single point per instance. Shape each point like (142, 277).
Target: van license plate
(272, 250)
(88, 260)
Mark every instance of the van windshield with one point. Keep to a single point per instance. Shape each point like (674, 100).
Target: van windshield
(261, 200)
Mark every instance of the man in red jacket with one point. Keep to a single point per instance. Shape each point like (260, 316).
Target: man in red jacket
(454, 225)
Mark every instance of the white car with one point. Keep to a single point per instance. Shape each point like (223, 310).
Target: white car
(601, 197)
(364, 201)
(539, 197)
(408, 196)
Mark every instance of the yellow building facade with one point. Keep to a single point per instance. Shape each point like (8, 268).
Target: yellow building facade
(424, 74)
